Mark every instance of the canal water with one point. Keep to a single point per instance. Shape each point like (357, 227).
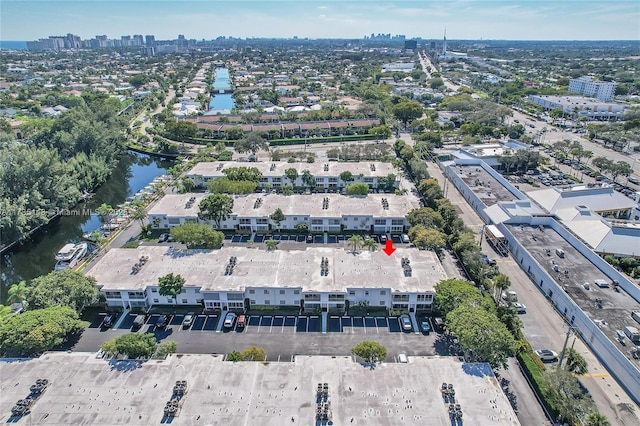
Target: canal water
(36, 257)
(221, 102)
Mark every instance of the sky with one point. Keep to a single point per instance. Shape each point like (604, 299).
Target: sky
(200, 19)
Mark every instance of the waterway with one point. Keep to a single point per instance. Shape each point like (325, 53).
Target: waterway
(221, 102)
(36, 257)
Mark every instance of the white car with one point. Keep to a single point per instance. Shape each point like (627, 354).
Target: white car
(406, 322)
(229, 320)
(520, 308)
(547, 355)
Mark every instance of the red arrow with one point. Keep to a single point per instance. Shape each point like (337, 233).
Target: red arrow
(389, 248)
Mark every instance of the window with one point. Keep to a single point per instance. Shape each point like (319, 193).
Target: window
(266, 292)
(185, 301)
(136, 295)
(252, 301)
(316, 222)
(267, 302)
(245, 221)
(235, 296)
(252, 291)
(382, 303)
(112, 295)
(154, 290)
(352, 292)
(380, 222)
(174, 221)
(397, 222)
(262, 221)
(400, 297)
(282, 291)
(276, 179)
(283, 302)
(295, 218)
(296, 291)
(383, 292)
(366, 293)
(156, 300)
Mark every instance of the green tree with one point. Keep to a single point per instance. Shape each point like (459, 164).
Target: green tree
(226, 186)
(406, 111)
(596, 419)
(216, 207)
(187, 184)
(291, 174)
(453, 293)
(482, 333)
(252, 142)
(133, 345)
(234, 356)
(355, 242)
(566, 395)
(380, 132)
(277, 217)
(371, 352)
(251, 174)
(357, 189)
(18, 292)
(426, 217)
(576, 362)
(104, 211)
(181, 131)
(500, 282)
(65, 288)
(370, 244)
(346, 176)
(170, 285)
(38, 330)
(165, 348)
(254, 354)
(271, 244)
(427, 239)
(307, 179)
(138, 212)
(197, 234)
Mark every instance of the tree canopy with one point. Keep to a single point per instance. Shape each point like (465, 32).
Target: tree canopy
(252, 142)
(358, 188)
(38, 330)
(370, 351)
(407, 110)
(481, 332)
(170, 285)
(133, 345)
(197, 235)
(65, 288)
(453, 293)
(216, 207)
(251, 174)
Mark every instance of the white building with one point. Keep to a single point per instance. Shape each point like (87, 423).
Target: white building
(379, 213)
(583, 106)
(233, 277)
(327, 175)
(603, 90)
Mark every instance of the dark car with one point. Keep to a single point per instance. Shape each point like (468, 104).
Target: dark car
(138, 322)
(107, 322)
(309, 238)
(163, 321)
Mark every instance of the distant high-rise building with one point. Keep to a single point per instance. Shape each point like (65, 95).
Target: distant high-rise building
(444, 43)
(137, 40)
(410, 44)
(603, 90)
(125, 41)
(150, 40)
(432, 45)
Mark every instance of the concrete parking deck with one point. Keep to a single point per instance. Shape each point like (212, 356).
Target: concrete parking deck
(88, 390)
(485, 186)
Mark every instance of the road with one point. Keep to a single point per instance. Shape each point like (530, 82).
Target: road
(426, 65)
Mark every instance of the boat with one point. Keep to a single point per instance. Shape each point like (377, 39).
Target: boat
(69, 255)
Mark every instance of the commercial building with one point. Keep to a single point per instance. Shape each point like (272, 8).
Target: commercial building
(326, 175)
(594, 297)
(603, 90)
(580, 106)
(378, 213)
(234, 278)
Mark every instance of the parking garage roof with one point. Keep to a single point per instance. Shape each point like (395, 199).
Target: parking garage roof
(85, 389)
(263, 205)
(615, 313)
(261, 268)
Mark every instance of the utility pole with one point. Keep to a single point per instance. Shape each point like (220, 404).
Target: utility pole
(564, 347)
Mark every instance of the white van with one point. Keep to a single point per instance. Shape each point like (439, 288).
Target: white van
(560, 252)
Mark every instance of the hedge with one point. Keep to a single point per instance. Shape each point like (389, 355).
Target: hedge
(533, 372)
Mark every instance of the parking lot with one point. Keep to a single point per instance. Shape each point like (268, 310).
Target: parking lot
(303, 239)
(266, 324)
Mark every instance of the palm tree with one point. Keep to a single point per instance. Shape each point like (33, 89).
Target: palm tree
(596, 419)
(139, 212)
(271, 244)
(370, 244)
(18, 292)
(104, 211)
(356, 242)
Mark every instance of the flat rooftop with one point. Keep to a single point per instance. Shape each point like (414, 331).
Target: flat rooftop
(277, 168)
(175, 205)
(598, 199)
(485, 186)
(615, 313)
(260, 268)
(85, 389)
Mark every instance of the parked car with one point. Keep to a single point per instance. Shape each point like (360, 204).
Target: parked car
(438, 324)
(405, 238)
(107, 322)
(520, 308)
(510, 296)
(547, 355)
(163, 237)
(138, 322)
(406, 322)
(383, 238)
(229, 320)
(242, 321)
(426, 327)
(188, 320)
(163, 321)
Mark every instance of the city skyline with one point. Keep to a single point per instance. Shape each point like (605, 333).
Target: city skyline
(507, 20)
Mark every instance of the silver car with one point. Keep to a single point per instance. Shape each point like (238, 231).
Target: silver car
(406, 322)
